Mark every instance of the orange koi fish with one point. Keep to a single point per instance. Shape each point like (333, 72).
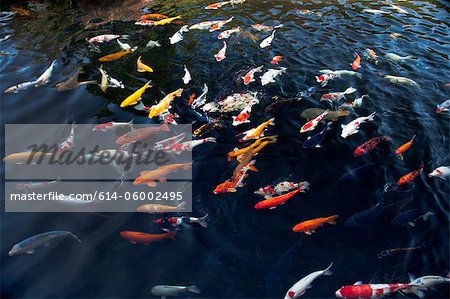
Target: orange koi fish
(357, 63)
(191, 99)
(114, 56)
(257, 132)
(404, 148)
(144, 238)
(236, 181)
(409, 177)
(276, 59)
(164, 104)
(141, 133)
(153, 16)
(149, 177)
(273, 202)
(308, 227)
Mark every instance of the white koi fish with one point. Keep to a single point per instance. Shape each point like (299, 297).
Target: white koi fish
(201, 100)
(45, 77)
(20, 87)
(151, 44)
(269, 76)
(106, 38)
(280, 188)
(268, 40)
(324, 78)
(168, 142)
(312, 124)
(244, 115)
(402, 80)
(353, 126)
(227, 33)
(397, 58)
(249, 76)
(37, 185)
(442, 172)
(399, 9)
(340, 73)
(222, 52)
(187, 76)
(124, 46)
(337, 96)
(178, 36)
(300, 287)
(375, 11)
(204, 25)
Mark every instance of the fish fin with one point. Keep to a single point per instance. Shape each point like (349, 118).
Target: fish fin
(308, 232)
(202, 221)
(358, 283)
(252, 168)
(411, 224)
(31, 251)
(232, 190)
(327, 271)
(411, 277)
(163, 180)
(151, 184)
(310, 286)
(193, 289)
(271, 208)
(133, 242)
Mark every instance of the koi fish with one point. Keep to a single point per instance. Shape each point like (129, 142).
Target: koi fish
(178, 221)
(268, 40)
(152, 44)
(112, 126)
(168, 290)
(142, 67)
(30, 244)
(124, 46)
(164, 104)
(249, 76)
(402, 80)
(276, 59)
(187, 76)
(442, 107)
(73, 82)
(403, 148)
(153, 16)
(217, 5)
(45, 77)
(20, 87)
(357, 63)
(369, 145)
(166, 21)
(410, 176)
(144, 238)
(356, 103)
(104, 84)
(424, 283)
(340, 73)
(201, 100)
(145, 23)
(244, 115)
(161, 209)
(308, 227)
(219, 24)
(160, 145)
(300, 287)
(273, 202)
(221, 54)
(187, 145)
(399, 252)
(337, 96)
(312, 124)
(269, 76)
(353, 126)
(255, 147)
(392, 57)
(369, 53)
(442, 172)
(67, 144)
(149, 177)
(316, 140)
(235, 182)
(203, 25)
(26, 157)
(178, 36)
(23, 12)
(280, 188)
(39, 185)
(135, 97)
(261, 27)
(369, 291)
(114, 56)
(141, 133)
(204, 129)
(257, 132)
(375, 11)
(106, 38)
(410, 217)
(323, 79)
(227, 33)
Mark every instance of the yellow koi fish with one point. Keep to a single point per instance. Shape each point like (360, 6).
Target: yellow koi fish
(166, 21)
(142, 67)
(257, 132)
(135, 96)
(164, 104)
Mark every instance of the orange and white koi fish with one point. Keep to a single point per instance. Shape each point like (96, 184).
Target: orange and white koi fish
(115, 56)
(219, 24)
(276, 59)
(273, 202)
(357, 63)
(144, 238)
(280, 188)
(145, 23)
(403, 148)
(312, 124)
(135, 97)
(442, 172)
(249, 76)
(166, 21)
(410, 176)
(217, 5)
(164, 104)
(149, 177)
(227, 33)
(222, 52)
(257, 132)
(235, 182)
(244, 115)
(142, 67)
(308, 227)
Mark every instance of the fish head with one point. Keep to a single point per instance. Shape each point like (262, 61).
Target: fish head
(16, 249)
(345, 292)
(12, 89)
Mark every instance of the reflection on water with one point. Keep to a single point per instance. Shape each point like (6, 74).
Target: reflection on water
(242, 251)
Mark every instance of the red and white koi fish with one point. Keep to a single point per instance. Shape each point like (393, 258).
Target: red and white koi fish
(280, 188)
(160, 145)
(356, 103)
(261, 27)
(353, 126)
(227, 33)
(217, 5)
(276, 59)
(145, 22)
(179, 221)
(357, 63)
(67, 144)
(106, 38)
(442, 172)
(219, 24)
(276, 201)
(442, 107)
(39, 185)
(249, 77)
(112, 126)
(324, 78)
(222, 52)
(369, 145)
(257, 132)
(268, 40)
(410, 176)
(337, 96)
(177, 148)
(168, 117)
(370, 291)
(300, 287)
(236, 181)
(244, 115)
(312, 124)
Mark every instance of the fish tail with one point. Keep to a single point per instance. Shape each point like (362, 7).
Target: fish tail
(350, 90)
(332, 218)
(412, 139)
(251, 167)
(181, 206)
(126, 36)
(371, 117)
(193, 289)
(76, 238)
(202, 221)
(327, 271)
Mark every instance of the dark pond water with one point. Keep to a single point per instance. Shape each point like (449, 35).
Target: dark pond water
(244, 252)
